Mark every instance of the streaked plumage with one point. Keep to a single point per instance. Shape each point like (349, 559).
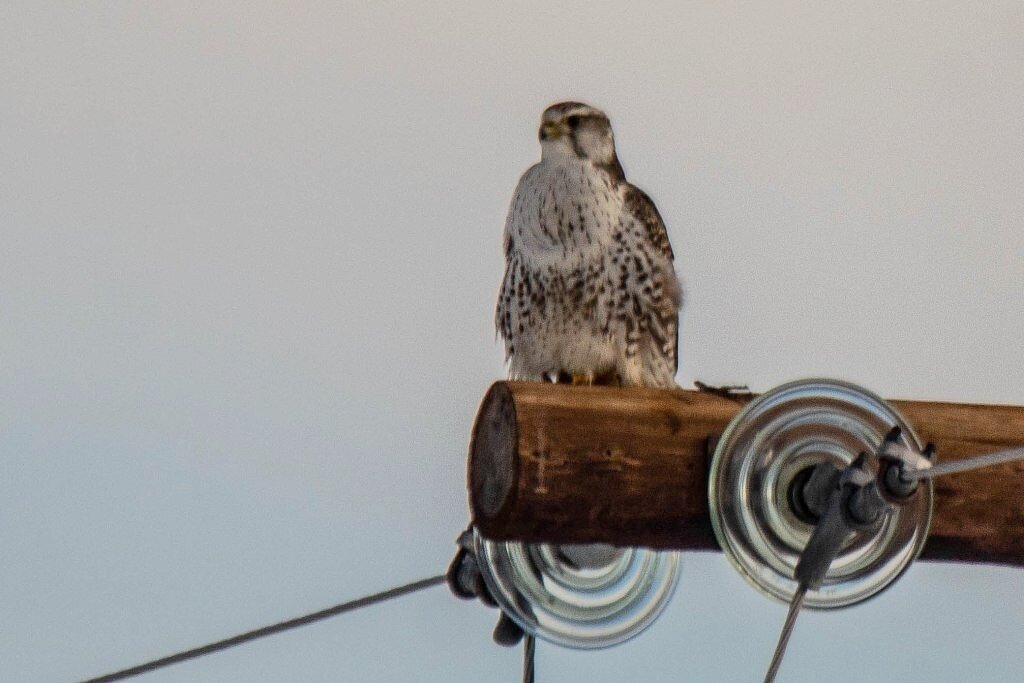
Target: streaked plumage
(589, 288)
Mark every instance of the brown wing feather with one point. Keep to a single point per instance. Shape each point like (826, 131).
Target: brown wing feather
(641, 206)
(643, 209)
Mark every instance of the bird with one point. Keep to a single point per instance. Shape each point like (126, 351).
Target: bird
(590, 294)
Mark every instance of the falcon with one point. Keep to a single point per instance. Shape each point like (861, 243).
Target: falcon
(590, 294)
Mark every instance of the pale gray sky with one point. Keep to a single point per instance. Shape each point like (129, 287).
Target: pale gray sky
(248, 264)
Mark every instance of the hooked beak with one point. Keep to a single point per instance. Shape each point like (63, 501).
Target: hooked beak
(553, 130)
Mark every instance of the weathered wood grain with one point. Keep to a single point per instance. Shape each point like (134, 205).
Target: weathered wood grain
(629, 466)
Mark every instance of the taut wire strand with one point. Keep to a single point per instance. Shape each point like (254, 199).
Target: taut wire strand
(270, 630)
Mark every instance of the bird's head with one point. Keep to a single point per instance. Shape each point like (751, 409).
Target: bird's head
(574, 129)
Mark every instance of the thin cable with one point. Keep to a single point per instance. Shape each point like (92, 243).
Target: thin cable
(529, 657)
(965, 465)
(270, 630)
(787, 630)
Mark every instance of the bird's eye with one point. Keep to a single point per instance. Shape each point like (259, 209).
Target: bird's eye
(573, 120)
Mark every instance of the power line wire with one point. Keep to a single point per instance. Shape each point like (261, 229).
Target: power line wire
(270, 630)
(529, 658)
(966, 464)
(787, 631)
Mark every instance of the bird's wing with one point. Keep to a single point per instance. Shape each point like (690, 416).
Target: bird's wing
(644, 211)
(666, 316)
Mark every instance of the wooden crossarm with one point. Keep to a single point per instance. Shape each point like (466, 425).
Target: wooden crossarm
(629, 466)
